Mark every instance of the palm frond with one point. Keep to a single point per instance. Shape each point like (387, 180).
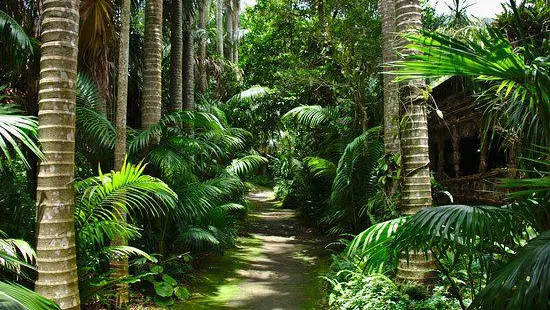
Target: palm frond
(365, 150)
(114, 252)
(15, 296)
(321, 167)
(16, 128)
(128, 190)
(372, 246)
(308, 116)
(250, 94)
(195, 119)
(16, 46)
(95, 127)
(523, 283)
(11, 30)
(198, 238)
(87, 93)
(15, 253)
(246, 165)
(459, 225)
(231, 207)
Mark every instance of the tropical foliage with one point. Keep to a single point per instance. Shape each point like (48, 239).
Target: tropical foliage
(287, 93)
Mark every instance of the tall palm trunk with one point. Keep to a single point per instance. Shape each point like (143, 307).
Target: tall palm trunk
(120, 265)
(391, 94)
(414, 147)
(236, 25)
(55, 248)
(151, 109)
(188, 66)
(229, 29)
(203, 19)
(219, 26)
(176, 54)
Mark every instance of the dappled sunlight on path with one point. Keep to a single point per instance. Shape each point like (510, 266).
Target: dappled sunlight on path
(275, 266)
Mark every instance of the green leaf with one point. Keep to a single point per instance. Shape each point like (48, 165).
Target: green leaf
(168, 279)
(164, 289)
(163, 301)
(157, 269)
(182, 293)
(15, 296)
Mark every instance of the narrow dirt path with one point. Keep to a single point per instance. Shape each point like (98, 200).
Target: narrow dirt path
(275, 266)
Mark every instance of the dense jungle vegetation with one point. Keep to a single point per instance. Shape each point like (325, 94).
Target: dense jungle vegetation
(131, 132)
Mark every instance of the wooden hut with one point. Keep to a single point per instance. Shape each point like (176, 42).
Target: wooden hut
(462, 161)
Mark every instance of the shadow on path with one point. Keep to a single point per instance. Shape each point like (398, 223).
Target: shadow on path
(274, 267)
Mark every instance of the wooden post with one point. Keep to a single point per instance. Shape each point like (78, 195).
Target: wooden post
(483, 154)
(512, 158)
(456, 151)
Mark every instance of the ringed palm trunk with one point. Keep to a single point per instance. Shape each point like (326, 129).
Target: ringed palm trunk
(203, 19)
(236, 25)
(55, 249)
(391, 92)
(229, 29)
(176, 54)
(188, 66)
(120, 265)
(152, 83)
(416, 193)
(219, 26)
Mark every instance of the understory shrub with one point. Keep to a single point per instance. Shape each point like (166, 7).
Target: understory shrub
(351, 289)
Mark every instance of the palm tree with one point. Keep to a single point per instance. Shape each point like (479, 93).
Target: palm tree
(391, 97)
(235, 32)
(151, 109)
(229, 29)
(416, 193)
(120, 265)
(204, 13)
(219, 26)
(97, 30)
(176, 54)
(188, 65)
(56, 251)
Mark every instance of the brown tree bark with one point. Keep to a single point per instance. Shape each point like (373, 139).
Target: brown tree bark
(176, 54)
(229, 29)
(219, 27)
(120, 265)
(188, 67)
(203, 19)
(151, 109)
(55, 248)
(391, 93)
(236, 28)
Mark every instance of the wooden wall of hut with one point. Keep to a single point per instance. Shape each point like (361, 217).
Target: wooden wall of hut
(465, 163)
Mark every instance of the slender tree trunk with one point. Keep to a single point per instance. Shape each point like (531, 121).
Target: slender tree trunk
(391, 92)
(151, 109)
(120, 265)
(229, 29)
(188, 67)
(55, 248)
(176, 65)
(321, 13)
(203, 19)
(219, 26)
(236, 25)
(416, 193)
